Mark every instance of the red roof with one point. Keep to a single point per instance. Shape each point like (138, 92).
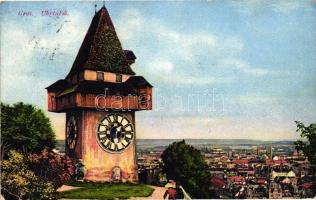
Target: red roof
(241, 161)
(275, 162)
(237, 179)
(306, 185)
(217, 182)
(269, 162)
(280, 162)
(261, 181)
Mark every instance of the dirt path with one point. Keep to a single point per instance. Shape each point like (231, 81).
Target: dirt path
(157, 194)
(66, 187)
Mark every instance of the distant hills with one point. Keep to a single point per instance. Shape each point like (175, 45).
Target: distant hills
(166, 142)
(214, 142)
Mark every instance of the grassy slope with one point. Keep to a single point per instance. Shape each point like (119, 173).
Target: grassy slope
(106, 191)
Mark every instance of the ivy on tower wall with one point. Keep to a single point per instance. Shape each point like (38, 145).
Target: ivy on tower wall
(107, 53)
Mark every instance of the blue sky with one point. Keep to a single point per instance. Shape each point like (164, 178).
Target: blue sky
(221, 69)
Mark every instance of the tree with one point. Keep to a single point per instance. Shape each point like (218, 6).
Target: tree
(25, 128)
(186, 165)
(307, 144)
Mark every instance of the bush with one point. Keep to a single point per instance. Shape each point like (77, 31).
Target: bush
(51, 167)
(19, 182)
(35, 176)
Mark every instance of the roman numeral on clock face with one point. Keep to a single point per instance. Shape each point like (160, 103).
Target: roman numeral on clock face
(119, 119)
(129, 135)
(106, 142)
(111, 117)
(119, 146)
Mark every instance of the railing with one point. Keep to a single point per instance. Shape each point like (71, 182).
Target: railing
(185, 194)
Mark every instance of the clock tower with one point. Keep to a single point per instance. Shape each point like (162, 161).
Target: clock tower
(100, 95)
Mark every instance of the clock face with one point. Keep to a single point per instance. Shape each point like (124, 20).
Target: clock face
(115, 132)
(71, 133)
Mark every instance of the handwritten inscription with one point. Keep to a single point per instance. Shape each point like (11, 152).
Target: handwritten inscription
(47, 13)
(54, 13)
(25, 13)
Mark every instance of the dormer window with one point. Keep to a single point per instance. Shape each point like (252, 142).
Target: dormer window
(100, 76)
(119, 78)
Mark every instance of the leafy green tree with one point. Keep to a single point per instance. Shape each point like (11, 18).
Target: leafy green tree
(25, 128)
(186, 165)
(308, 133)
(307, 144)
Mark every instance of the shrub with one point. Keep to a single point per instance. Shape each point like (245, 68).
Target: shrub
(51, 167)
(19, 182)
(34, 176)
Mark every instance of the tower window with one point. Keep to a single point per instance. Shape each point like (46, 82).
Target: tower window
(100, 76)
(118, 77)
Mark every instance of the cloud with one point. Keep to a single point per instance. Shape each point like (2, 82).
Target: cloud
(290, 5)
(130, 24)
(186, 46)
(183, 45)
(254, 7)
(34, 52)
(243, 66)
(177, 57)
(179, 127)
(199, 127)
(192, 80)
(18, 52)
(26, 68)
(161, 66)
(165, 54)
(16, 65)
(256, 99)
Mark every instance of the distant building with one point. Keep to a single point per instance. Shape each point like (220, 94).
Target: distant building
(275, 191)
(237, 180)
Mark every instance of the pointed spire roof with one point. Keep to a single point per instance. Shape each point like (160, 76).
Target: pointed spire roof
(101, 50)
